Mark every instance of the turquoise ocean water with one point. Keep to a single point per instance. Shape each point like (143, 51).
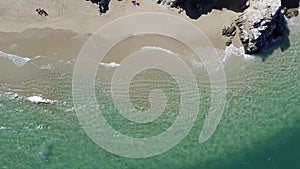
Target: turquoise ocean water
(259, 129)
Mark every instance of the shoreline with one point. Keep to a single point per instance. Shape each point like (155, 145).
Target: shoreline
(40, 122)
(83, 19)
(49, 39)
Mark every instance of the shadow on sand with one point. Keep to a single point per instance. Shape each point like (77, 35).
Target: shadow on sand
(195, 8)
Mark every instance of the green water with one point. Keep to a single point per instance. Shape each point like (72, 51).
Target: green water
(259, 128)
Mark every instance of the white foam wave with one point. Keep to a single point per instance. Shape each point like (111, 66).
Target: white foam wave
(39, 127)
(39, 99)
(158, 48)
(17, 60)
(2, 128)
(110, 65)
(231, 50)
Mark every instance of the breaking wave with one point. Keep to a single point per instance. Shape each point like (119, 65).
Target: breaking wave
(159, 48)
(231, 50)
(39, 99)
(110, 65)
(17, 60)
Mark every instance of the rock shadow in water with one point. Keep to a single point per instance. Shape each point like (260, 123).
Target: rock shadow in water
(281, 40)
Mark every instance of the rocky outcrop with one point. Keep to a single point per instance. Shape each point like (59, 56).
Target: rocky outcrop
(176, 4)
(171, 3)
(229, 31)
(260, 24)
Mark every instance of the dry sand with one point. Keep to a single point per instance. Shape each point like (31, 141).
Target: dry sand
(70, 22)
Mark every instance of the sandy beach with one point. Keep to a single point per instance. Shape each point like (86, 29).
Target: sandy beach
(23, 32)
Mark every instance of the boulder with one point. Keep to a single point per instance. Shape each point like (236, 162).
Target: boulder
(260, 24)
(290, 13)
(229, 31)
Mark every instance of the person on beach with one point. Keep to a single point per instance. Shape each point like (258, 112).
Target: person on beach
(41, 12)
(44, 12)
(135, 3)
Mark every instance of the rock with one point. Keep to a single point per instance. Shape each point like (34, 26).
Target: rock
(229, 31)
(180, 10)
(260, 24)
(229, 42)
(177, 4)
(290, 13)
(166, 2)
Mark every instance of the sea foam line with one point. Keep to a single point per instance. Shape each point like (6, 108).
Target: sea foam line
(2, 128)
(110, 65)
(231, 50)
(39, 99)
(17, 60)
(158, 48)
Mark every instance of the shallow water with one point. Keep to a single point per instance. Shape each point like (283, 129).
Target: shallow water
(259, 128)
